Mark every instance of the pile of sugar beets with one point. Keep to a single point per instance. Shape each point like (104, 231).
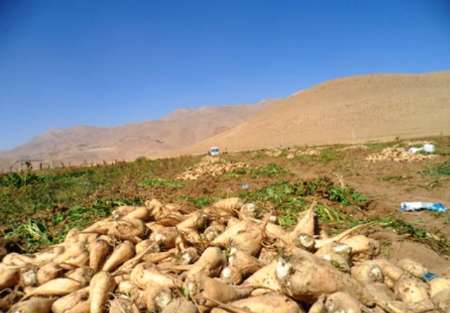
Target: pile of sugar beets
(224, 258)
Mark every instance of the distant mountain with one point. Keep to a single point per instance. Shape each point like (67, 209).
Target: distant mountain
(181, 128)
(347, 110)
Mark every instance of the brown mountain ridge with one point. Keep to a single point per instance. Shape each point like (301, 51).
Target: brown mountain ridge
(181, 128)
(347, 110)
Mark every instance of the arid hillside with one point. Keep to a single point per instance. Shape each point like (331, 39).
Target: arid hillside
(151, 138)
(347, 110)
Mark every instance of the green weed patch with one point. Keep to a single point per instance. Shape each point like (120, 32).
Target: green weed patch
(33, 234)
(441, 169)
(269, 170)
(346, 195)
(199, 202)
(162, 183)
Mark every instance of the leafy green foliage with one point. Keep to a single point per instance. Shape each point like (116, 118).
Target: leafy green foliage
(283, 192)
(329, 214)
(441, 169)
(63, 198)
(346, 196)
(328, 154)
(199, 202)
(325, 156)
(401, 227)
(287, 220)
(269, 170)
(288, 199)
(162, 183)
(420, 234)
(18, 180)
(32, 234)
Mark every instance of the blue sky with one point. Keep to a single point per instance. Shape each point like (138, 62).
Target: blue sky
(66, 63)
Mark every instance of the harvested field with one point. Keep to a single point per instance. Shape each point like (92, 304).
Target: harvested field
(230, 256)
(214, 217)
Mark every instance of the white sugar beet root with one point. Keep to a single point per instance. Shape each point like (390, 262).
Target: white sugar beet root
(16, 259)
(123, 305)
(245, 236)
(99, 289)
(80, 307)
(194, 221)
(224, 258)
(141, 213)
(157, 297)
(367, 272)
(240, 266)
(305, 224)
(120, 255)
(98, 252)
(337, 255)
(412, 267)
(439, 284)
(82, 275)
(391, 272)
(228, 206)
(268, 303)
(180, 305)
(210, 262)
(9, 276)
(48, 272)
(306, 277)
(144, 275)
(265, 278)
(164, 236)
(33, 305)
(442, 300)
(341, 302)
(363, 248)
(55, 287)
(69, 301)
(127, 229)
(208, 291)
(414, 293)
